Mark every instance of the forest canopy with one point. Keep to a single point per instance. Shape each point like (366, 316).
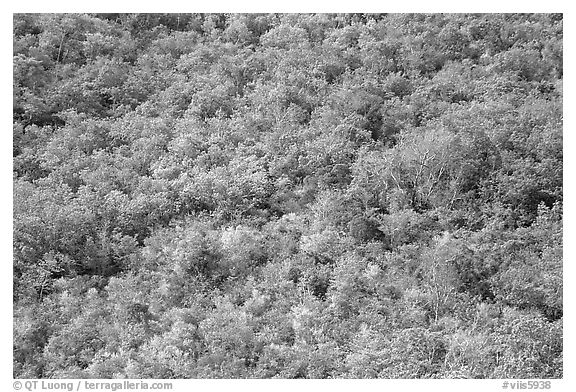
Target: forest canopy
(287, 195)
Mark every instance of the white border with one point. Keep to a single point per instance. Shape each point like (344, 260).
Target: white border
(295, 6)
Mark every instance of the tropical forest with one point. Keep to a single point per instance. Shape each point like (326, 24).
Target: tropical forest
(287, 196)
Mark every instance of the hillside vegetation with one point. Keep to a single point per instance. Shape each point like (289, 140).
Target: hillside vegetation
(292, 196)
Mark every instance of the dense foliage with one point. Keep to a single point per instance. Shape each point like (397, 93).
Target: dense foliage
(294, 196)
